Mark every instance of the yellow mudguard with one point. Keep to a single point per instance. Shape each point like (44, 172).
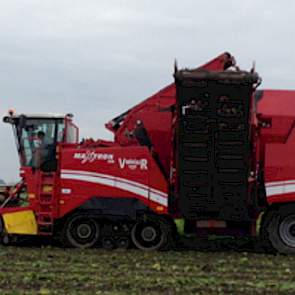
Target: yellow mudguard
(23, 222)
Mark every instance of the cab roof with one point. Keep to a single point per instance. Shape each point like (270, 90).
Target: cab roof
(40, 116)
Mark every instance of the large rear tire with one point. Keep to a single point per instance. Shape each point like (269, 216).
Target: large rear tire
(279, 227)
(151, 233)
(80, 232)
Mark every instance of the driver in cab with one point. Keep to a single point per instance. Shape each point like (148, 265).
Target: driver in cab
(41, 149)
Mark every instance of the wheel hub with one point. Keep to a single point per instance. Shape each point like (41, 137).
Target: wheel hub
(287, 231)
(148, 234)
(84, 231)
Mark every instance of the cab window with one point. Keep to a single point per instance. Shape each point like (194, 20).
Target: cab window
(37, 141)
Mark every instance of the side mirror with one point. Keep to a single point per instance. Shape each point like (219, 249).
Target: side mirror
(8, 119)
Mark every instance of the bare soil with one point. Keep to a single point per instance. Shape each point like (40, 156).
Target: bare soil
(213, 267)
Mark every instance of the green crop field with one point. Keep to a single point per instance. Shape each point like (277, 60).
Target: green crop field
(53, 270)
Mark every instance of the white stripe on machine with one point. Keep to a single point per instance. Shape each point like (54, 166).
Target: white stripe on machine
(117, 182)
(280, 187)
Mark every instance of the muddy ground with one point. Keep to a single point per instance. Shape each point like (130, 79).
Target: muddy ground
(212, 267)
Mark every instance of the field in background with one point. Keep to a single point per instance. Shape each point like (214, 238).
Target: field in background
(50, 270)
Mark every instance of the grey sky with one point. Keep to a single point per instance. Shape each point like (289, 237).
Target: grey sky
(98, 58)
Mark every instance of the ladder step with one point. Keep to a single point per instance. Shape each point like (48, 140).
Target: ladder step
(44, 223)
(46, 200)
(45, 213)
(46, 194)
(44, 233)
(47, 174)
(45, 218)
(45, 228)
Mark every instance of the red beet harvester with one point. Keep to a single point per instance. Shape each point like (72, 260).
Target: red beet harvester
(210, 148)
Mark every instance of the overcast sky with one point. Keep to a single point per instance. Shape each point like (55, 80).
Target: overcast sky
(98, 58)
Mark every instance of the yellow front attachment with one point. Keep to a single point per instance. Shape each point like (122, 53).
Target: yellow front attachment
(23, 222)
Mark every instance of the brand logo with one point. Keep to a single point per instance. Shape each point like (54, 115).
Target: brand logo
(91, 156)
(133, 164)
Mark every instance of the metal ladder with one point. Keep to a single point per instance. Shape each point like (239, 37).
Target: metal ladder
(46, 204)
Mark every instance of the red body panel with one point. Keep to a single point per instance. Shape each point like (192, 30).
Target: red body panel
(113, 172)
(279, 105)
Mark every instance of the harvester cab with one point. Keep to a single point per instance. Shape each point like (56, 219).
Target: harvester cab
(37, 138)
